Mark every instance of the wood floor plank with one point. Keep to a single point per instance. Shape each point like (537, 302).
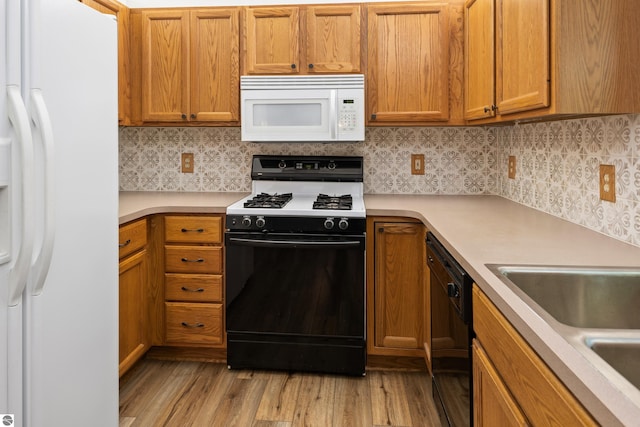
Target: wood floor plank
(388, 403)
(158, 393)
(352, 403)
(240, 403)
(314, 406)
(279, 400)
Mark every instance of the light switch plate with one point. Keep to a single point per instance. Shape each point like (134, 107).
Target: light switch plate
(417, 164)
(512, 167)
(187, 162)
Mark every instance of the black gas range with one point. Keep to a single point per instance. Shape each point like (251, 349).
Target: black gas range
(295, 265)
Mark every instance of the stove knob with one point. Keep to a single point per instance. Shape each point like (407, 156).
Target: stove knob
(260, 222)
(343, 224)
(246, 221)
(282, 164)
(331, 166)
(328, 223)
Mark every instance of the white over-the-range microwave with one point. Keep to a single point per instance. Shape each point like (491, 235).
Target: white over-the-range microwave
(326, 108)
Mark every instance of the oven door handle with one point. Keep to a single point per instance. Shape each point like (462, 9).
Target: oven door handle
(294, 243)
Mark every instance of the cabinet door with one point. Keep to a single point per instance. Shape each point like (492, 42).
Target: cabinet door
(408, 63)
(493, 405)
(333, 39)
(271, 40)
(400, 288)
(522, 55)
(133, 342)
(165, 65)
(215, 72)
(479, 57)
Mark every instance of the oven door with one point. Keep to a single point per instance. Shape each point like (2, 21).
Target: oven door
(295, 301)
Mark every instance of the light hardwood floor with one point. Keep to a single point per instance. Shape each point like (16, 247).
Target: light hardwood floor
(170, 393)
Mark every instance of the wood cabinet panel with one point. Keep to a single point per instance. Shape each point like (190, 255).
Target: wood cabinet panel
(186, 66)
(333, 39)
(493, 404)
(397, 288)
(165, 65)
(193, 259)
(133, 341)
(271, 40)
(193, 229)
(215, 73)
(194, 323)
(193, 287)
(541, 395)
(479, 59)
(414, 63)
(132, 237)
(522, 55)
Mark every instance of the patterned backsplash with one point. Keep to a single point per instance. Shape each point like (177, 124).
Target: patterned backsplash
(557, 164)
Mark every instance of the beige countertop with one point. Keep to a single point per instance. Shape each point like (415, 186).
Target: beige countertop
(480, 230)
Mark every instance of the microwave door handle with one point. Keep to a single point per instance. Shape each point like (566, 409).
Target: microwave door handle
(333, 116)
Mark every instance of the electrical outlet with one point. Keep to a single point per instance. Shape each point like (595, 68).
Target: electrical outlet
(608, 183)
(187, 162)
(512, 167)
(417, 164)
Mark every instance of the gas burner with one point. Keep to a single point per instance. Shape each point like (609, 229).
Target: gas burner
(270, 201)
(324, 201)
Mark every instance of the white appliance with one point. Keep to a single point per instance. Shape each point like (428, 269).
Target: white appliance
(326, 108)
(58, 215)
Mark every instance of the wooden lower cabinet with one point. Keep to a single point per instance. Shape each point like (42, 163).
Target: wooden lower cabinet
(133, 279)
(397, 291)
(193, 281)
(512, 384)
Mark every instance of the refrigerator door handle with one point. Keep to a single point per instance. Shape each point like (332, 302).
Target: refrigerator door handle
(20, 120)
(42, 121)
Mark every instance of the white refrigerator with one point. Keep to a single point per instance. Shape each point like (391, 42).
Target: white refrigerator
(58, 215)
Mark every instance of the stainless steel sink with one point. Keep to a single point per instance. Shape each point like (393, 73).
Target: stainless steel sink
(583, 298)
(622, 355)
(595, 309)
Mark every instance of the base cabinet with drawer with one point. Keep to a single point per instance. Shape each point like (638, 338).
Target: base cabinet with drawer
(511, 384)
(193, 257)
(133, 254)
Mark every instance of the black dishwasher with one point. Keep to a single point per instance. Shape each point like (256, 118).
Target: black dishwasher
(451, 334)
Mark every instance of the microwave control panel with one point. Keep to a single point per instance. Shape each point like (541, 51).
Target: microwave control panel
(347, 114)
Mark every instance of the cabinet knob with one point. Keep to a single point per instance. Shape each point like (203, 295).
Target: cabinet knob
(381, 230)
(494, 107)
(373, 117)
(293, 66)
(184, 116)
(193, 116)
(487, 109)
(310, 65)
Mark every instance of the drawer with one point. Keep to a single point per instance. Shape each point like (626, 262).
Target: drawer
(193, 259)
(132, 236)
(194, 323)
(193, 229)
(193, 287)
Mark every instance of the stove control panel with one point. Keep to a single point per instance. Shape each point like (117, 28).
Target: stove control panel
(284, 224)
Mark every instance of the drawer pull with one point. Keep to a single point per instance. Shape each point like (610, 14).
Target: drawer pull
(127, 243)
(195, 325)
(192, 260)
(192, 290)
(195, 230)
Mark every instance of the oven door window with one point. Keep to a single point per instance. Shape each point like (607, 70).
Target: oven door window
(302, 285)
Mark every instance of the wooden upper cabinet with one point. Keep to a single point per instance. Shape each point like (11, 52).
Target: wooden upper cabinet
(550, 59)
(409, 69)
(271, 37)
(302, 40)
(189, 65)
(479, 59)
(165, 65)
(121, 12)
(333, 39)
(522, 55)
(215, 73)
